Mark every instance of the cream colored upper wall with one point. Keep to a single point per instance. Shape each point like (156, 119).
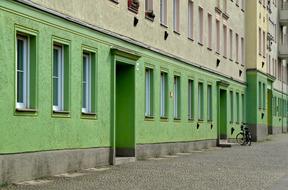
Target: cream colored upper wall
(117, 18)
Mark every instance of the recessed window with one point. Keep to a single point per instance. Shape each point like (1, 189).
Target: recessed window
(190, 99)
(163, 12)
(200, 101)
(163, 95)
(209, 103)
(260, 95)
(88, 83)
(237, 48)
(26, 71)
(217, 36)
(176, 99)
(149, 13)
(190, 19)
(60, 78)
(225, 40)
(176, 15)
(264, 96)
(264, 44)
(210, 31)
(201, 25)
(259, 42)
(242, 51)
(243, 108)
(148, 92)
(231, 43)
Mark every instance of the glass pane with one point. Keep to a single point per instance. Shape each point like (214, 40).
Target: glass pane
(55, 91)
(55, 62)
(20, 86)
(20, 55)
(84, 99)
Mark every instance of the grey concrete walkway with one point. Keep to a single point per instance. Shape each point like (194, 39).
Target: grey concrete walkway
(261, 166)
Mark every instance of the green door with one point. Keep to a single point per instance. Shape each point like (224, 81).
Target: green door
(125, 109)
(269, 111)
(223, 114)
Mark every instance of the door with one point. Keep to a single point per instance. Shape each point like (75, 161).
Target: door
(223, 115)
(269, 111)
(125, 110)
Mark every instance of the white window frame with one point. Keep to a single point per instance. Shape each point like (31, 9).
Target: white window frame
(176, 102)
(26, 71)
(87, 82)
(201, 24)
(60, 77)
(148, 94)
(163, 12)
(163, 95)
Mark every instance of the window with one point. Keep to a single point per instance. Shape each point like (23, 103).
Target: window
(163, 12)
(149, 9)
(88, 83)
(148, 92)
(231, 44)
(224, 6)
(190, 19)
(190, 99)
(243, 108)
(163, 95)
(201, 29)
(231, 107)
(237, 108)
(259, 42)
(176, 15)
(200, 102)
(176, 97)
(217, 36)
(60, 78)
(264, 96)
(243, 5)
(209, 102)
(259, 95)
(237, 48)
(225, 41)
(26, 71)
(264, 44)
(242, 52)
(209, 31)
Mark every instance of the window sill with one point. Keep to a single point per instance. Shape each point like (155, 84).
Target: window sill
(133, 10)
(149, 18)
(149, 118)
(201, 120)
(163, 25)
(200, 43)
(191, 120)
(177, 119)
(217, 53)
(191, 39)
(26, 110)
(210, 121)
(237, 62)
(176, 32)
(163, 118)
(224, 57)
(115, 1)
(231, 59)
(89, 113)
(231, 122)
(242, 10)
(210, 49)
(61, 112)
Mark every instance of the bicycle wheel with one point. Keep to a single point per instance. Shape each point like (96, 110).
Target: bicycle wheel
(249, 139)
(240, 138)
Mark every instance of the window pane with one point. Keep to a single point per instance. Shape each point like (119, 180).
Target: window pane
(148, 92)
(20, 55)
(163, 95)
(55, 91)
(20, 87)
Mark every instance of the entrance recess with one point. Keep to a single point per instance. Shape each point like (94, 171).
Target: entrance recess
(124, 110)
(269, 111)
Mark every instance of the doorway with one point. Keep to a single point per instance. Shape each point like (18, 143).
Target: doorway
(269, 112)
(125, 110)
(223, 115)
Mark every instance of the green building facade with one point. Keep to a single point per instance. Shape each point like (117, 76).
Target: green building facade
(141, 103)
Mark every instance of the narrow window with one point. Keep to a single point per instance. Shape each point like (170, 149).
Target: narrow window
(148, 92)
(164, 95)
(259, 95)
(88, 83)
(190, 99)
(176, 19)
(149, 9)
(225, 40)
(201, 29)
(231, 107)
(176, 97)
(22, 72)
(209, 31)
(58, 73)
(264, 44)
(190, 19)
(259, 42)
(200, 102)
(209, 102)
(217, 36)
(242, 52)
(231, 44)
(163, 12)
(237, 48)
(237, 108)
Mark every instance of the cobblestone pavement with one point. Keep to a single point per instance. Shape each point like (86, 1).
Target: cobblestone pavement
(261, 166)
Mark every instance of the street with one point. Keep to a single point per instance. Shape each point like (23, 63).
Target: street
(262, 166)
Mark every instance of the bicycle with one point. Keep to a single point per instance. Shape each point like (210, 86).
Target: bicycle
(244, 137)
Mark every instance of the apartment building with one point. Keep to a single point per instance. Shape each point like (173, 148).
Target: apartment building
(86, 84)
